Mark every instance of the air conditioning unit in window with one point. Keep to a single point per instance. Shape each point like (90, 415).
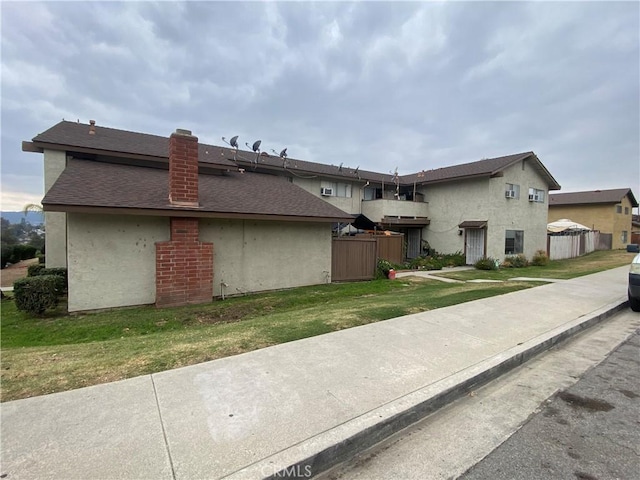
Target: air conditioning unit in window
(534, 198)
(510, 194)
(326, 191)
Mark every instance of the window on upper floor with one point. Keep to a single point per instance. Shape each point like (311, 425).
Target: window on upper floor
(512, 190)
(536, 195)
(369, 193)
(618, 208)
(513, 242)
(626, 210)
(333, 189)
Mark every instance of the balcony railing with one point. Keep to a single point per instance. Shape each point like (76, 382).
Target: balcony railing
(381, 210)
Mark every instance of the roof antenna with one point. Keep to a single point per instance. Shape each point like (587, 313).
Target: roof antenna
(396, 180)
(256, 149)
(356, 172)
(340, 167)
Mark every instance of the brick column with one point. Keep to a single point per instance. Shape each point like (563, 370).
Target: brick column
(184, 266)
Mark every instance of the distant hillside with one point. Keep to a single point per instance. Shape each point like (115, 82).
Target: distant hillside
(34, 218)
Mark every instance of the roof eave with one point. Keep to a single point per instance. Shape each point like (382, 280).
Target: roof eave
(188, 212)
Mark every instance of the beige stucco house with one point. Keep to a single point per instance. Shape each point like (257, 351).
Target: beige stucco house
(140, 219)
(489, 208)
(114, 212)
(609, 211)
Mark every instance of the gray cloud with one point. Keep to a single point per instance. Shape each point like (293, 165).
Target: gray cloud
(380, 85)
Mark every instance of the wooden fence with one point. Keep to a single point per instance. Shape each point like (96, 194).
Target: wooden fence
(388, 247)
(573, 245)
(355, 258)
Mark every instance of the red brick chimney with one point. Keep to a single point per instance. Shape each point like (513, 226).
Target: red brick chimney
(184, 264)
(183, 169)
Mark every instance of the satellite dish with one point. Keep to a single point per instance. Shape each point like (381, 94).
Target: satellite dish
(340, 167)
(283, 153)
(234, 141)
(256, 148)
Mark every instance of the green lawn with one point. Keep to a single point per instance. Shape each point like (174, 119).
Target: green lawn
(60, 352)
(560, 269)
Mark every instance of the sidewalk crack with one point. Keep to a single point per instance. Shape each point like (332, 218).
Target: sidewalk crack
(164, 432)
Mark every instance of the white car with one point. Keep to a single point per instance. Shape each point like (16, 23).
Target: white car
(634, 284)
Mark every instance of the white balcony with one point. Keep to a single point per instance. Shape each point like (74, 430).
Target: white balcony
(396, 211)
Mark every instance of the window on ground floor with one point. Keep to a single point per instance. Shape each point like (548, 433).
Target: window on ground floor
(624, 236)
(514, 242)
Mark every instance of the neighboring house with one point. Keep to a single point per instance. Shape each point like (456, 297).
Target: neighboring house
(141, 219)
(115, 210)
(609, 211)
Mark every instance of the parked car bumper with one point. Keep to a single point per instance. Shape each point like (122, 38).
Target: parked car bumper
(634, 286)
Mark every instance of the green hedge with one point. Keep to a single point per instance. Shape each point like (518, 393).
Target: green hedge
(486, 264)
(36, 294)
(14, 253)
(34, 270)
(39, 270)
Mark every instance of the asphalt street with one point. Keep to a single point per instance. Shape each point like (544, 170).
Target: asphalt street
(590, 431)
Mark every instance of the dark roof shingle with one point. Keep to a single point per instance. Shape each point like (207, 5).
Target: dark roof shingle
(590, 197)
(97, 184)
(73, 134)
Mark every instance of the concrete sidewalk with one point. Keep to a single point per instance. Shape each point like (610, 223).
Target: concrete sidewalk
(300, 406)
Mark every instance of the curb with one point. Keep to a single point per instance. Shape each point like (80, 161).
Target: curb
(325, 450)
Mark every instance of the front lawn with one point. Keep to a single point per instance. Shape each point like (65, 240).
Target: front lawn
(60, 352)
(559, 269)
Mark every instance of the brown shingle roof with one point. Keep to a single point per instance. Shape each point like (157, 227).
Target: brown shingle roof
(107, 140)
(76, 135)
(590, 197)
(113, 186)
(73, 134)
(482, 168)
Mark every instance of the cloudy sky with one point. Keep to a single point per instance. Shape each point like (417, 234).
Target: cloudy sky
(414, 85)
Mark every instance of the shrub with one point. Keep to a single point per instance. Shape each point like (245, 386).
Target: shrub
(486, 264)
(7, 252)
(515, 261)
(34, 295)
(41, 259)
(426, 263)
(540, 259)
(383, 267)
(437, 261)
(58, 272)
(34, 270)
(454, 259)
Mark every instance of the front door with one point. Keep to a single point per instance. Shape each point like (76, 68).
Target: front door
(414, 237)
(474, 248)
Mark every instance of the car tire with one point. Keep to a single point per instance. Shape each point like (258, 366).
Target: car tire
(634, 303)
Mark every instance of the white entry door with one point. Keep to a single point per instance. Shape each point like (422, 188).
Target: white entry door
(474, 249)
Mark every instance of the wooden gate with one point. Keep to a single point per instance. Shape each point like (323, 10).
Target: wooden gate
(353, 258)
